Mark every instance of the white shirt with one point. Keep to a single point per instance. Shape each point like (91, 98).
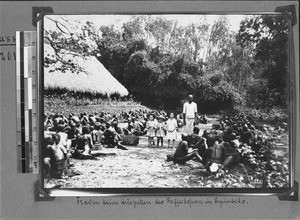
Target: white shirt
(189, 109)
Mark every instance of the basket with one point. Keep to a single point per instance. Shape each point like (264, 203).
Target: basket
(97, 146)
(130, 140)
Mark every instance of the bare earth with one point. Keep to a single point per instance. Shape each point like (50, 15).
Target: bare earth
(140, 166)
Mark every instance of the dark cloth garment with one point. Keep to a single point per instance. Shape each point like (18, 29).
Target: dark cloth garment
(181, 150)
(109, 138)
(72, 134)
(58, 165)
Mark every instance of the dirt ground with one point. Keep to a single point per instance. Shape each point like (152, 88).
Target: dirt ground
(140, 166)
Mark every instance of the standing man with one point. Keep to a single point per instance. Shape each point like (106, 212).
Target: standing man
(189, 115)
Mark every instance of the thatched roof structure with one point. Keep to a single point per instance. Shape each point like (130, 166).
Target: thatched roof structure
(95, 79)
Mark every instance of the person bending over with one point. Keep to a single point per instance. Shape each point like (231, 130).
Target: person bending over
(181, 154)
(216, 158)
(197, 142)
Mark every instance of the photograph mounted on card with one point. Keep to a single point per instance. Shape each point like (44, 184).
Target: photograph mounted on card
(167, 103)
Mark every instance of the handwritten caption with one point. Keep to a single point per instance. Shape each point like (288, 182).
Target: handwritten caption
(169, 201)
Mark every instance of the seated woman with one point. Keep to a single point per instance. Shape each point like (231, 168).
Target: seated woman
(217, 155)
(72, 133)
(111, 138)
(134, 127)
(56, 163)
(181, 154)
(97, 135)
(197, 142)
(84, 144)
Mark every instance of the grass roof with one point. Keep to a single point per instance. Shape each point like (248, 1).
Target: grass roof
(95, 80)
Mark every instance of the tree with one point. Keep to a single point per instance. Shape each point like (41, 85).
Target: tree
(268, 35)
(133, 29)
(77, 38)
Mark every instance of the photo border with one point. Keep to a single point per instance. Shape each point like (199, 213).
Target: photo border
(171, 191)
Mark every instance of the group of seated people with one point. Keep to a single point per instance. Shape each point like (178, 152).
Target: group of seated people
(220, 148)
(209, 149)
(77, 135)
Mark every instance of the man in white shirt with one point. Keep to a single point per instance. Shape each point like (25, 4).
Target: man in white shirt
(189, 115)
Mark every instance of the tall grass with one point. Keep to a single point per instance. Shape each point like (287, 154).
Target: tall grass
(77, 103)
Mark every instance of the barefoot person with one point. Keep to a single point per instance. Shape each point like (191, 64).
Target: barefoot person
(216, 159)
(181, 154)
(150, 126)
(160, 130)
(57, 160)
(84, 144)
(171, 129)
(197, 142)
(189, 115)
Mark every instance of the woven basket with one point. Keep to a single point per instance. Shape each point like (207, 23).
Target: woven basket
(130, 140)
(97, 147)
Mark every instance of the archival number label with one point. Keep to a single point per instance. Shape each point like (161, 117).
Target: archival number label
(6, 56)
(7, 39)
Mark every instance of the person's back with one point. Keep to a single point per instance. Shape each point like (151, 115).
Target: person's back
(109, 136)
(97, 136)
(181, 149)
(57, 154)
(217, 153)
(194, 139)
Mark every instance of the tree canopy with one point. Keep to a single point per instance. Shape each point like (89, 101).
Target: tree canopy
(161, 61)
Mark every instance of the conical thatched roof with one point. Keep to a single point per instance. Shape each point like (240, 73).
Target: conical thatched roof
(95, 79)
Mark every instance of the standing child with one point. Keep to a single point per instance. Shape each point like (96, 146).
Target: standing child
(151, 126)
(160, 130)
(171, 129)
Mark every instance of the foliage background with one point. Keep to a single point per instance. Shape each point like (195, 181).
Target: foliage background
(160, 61)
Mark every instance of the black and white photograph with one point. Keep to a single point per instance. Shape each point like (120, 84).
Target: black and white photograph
(166, 101)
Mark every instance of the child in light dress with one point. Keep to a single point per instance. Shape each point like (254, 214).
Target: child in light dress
(151, 126)
(160, 131)
(171, 129)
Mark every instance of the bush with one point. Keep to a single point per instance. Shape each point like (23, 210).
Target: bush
(216, 78)
(258, 94)
(274, 115)
(217, 98)
(140, 75)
